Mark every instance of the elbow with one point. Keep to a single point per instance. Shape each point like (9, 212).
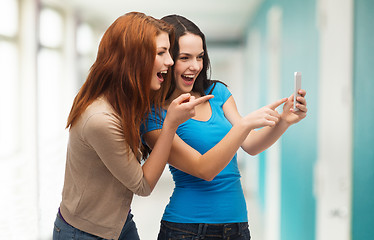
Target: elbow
(144, 189)
(206, 176)
(252, 152)
(250, 149)
(143, 194)
(206, 172)
(209, 178)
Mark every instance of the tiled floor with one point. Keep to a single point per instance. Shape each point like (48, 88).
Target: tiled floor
(148, 210)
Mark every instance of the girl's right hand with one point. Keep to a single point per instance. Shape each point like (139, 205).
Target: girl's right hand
(265, 116)
(183, 108)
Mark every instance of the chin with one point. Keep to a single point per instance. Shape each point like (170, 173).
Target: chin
(155, 88)
(188, 89)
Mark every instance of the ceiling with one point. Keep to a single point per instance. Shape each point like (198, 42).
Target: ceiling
(220, 20)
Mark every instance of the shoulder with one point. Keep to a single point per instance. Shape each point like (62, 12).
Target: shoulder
(101, 120)
(154, 120)
(220, 91)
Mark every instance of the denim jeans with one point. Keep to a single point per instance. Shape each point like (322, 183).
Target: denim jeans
(64, 231)
(195, 231)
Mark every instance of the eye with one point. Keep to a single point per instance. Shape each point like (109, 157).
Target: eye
(161, 53)
(200, 57)
(183, 58)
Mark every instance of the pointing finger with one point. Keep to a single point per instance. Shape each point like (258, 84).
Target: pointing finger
(183, 98)
(275, 104)
(200, 100)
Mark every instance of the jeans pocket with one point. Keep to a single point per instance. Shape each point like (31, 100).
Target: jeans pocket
(56, 232)
(245, 234)
(244, 231)
(62, 230)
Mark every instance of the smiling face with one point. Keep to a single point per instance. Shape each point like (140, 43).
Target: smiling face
(189, 63)
(163, 60)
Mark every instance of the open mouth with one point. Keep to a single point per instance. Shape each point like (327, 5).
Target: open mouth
(188, 78)
(162, 75)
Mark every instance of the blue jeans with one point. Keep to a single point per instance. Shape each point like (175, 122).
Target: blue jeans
(64, 231)
(195, 231)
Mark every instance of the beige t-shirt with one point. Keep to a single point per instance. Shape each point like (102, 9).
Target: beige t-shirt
(101, 175)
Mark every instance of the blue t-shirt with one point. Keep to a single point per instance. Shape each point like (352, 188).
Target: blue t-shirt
(195, 200)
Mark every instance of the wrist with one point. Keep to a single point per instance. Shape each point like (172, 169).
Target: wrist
(247, 126)
(283, 122)
(169, 125)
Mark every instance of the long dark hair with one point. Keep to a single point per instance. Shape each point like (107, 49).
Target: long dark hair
(122, 73)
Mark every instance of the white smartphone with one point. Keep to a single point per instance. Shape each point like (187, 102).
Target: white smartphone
(297, 82)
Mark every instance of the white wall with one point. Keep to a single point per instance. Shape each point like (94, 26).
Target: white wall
(333, 178)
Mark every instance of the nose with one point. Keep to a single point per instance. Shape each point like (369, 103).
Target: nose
(169, 61)
(194, 65)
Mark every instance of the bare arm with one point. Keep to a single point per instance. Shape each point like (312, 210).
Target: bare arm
(182, 108)
(208, 165)
(258, 141)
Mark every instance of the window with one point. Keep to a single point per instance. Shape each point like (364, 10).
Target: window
(50, 77)
(51, 88)
(85, 49)
(51, 28)
(9, 63)
(9, 18)
(85, 38)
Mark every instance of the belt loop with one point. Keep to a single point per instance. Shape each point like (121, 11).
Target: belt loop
(199, 231)
(204, 230)
(239, 228)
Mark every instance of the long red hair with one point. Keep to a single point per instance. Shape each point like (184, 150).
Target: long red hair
(122, 73)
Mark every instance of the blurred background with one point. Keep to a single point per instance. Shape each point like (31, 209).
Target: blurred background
(315, 183)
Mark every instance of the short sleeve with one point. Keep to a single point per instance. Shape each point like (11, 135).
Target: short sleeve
(154, 121)
(220, 91)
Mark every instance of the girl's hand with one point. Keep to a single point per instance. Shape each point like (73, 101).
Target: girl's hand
(183, 108)
(265, 116)
(289, 114)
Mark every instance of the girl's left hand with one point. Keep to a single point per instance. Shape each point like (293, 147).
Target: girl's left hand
(289, 114)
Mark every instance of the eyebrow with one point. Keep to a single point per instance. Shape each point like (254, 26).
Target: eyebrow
(188, 54)
(162, 48)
